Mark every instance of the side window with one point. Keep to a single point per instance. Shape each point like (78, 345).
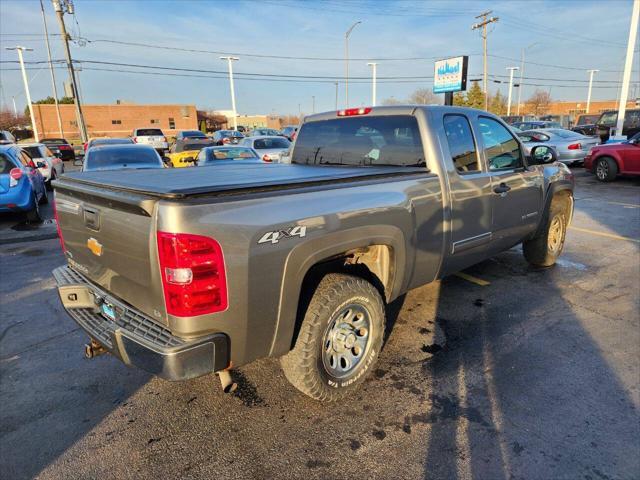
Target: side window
(461, 144)
(501, 149)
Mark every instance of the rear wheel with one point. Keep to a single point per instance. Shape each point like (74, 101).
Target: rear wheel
(544, 249)
(339, 340)
(33, 215)
(606, 169)
(45, 197)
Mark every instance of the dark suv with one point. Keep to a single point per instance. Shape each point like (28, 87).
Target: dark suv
(586, 124)
(608, 120)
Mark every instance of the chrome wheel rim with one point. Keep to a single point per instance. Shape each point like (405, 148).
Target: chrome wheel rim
(556, 234)
(346, 340)
(602, 170)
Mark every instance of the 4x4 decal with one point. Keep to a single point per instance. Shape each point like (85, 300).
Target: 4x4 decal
(277, 235)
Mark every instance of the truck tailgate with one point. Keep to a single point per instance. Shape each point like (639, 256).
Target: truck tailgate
(112, 242)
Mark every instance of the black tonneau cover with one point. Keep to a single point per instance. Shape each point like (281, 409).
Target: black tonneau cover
(182, 182)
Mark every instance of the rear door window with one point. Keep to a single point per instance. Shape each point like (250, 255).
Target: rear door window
(392, 140)
(461, 144)
(501, 149)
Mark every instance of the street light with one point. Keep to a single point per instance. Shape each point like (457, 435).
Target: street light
(346, 61)
(233, 93)
(373, 92)
(511, 70)
(522, 73)
(26, 87)
(591, 72)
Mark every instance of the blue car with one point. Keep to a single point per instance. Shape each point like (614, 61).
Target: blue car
(211, 156)
(22, 186)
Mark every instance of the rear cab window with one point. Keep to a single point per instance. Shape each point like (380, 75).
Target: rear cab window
(390, 140)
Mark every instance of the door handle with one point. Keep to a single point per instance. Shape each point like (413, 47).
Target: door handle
(502, 189)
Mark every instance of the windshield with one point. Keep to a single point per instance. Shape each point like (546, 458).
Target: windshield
(193, 133)
(54, 140)
(34, 152)
(608, 118)
(568, 134)
(268, 143)
(111, 141)
(147, 132)
(237, 153)
(392, 140)
(124, 157)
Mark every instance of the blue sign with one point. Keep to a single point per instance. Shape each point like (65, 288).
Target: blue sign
(450, 75)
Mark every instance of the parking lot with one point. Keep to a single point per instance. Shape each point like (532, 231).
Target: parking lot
(501, 372)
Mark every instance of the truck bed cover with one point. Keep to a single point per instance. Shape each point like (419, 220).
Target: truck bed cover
(183, 182)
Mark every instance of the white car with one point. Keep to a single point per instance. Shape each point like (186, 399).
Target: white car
(151, 136)
(52, 165)
(270, 148)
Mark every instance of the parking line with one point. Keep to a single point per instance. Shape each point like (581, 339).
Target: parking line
(604, 234)
(630, 205)
(472, 279)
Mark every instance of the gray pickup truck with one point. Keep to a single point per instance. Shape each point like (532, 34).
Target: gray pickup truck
(186, 272)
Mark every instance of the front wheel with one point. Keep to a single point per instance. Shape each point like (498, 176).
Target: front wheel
(606, 169)
(544, 249)
(339, 340)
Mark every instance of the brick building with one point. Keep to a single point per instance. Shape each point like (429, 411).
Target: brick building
(116, 120)
(576, 108)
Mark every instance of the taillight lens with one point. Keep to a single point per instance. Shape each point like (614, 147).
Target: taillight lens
(574, 146)
(193, 274)
(14, 176)
(65, 147)
(55, 215)
(226, 140)
(350, 112)
(266, 158)
(135, 139)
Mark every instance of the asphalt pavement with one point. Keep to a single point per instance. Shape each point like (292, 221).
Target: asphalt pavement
(505, 372)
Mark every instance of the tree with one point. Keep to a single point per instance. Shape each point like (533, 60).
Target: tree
(11, 122)
(460, 99)
(475, 96)
(423, 96)
(498, 104)
(539, 102)
(391, 101)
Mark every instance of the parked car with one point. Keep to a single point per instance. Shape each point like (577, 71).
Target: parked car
(224, 137)
(290, 132)
(95, 142)
(586, 124)
(119, 157)
(61, 146)
(151, 136)
(22, 187)
(52, 166)
(571, 147)
(6, 137)
(271, 149)
(190, 134)
(183, 153)
(608, 120)
(265, 132)
(535, 124)
(613, 159)
(196, 273)
(216, 156)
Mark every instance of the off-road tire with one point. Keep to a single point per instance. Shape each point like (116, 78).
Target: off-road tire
(304, 366)
(544, 249)
(606, 169)
(33, 215)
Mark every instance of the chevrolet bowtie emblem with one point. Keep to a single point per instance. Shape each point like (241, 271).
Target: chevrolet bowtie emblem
(95, 246)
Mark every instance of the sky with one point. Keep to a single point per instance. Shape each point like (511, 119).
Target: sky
(563, 39)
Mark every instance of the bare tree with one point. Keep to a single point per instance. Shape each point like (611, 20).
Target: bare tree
(10, 122)
(391, 101)
(539, 102)
(423, 96)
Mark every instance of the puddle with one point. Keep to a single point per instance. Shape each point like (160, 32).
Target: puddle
(26, 227)
(569, 264)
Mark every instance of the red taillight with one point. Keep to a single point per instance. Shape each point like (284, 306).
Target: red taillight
(226, 140)
(65, 147)
(55, 215)
(193, 275)
(85, 145)
(266, 158)
(350, 112)
(31, 164)
(15, 173)
(574, 146)
(135, 139)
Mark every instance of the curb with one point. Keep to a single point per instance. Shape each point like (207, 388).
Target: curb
(48, 234)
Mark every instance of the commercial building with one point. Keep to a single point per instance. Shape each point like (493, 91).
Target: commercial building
(576, 108)
(115, 120)
(251, 121)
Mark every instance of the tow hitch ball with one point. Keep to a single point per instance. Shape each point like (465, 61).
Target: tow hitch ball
(93, 349)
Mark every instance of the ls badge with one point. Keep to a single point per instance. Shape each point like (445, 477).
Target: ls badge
(95, 246)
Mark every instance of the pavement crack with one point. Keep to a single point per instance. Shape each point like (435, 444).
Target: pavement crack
(37, 344)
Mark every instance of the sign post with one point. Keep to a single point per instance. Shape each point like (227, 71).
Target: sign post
(450, 75)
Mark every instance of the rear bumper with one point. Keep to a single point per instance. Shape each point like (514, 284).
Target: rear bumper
(136, 339)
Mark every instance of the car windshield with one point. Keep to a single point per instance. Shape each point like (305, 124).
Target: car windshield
(390, 140)
(34, 152)
(111, 141)
(133, 156)
(230, 133)
(237, 153)
(196, 146)
(6, 164)
(268, 143)
(147, 132)
(608, 118)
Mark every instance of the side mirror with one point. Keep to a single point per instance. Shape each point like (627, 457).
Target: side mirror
(41, 164)
(542, 154)
(77, 163)
(167, 162)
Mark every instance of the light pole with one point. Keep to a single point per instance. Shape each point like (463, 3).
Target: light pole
(520, 85)
(53, 76)
(26, 87)
(628, 63)
(591, 72)
(346, 62)
(374, 67)
(511, 70)
(233, 93)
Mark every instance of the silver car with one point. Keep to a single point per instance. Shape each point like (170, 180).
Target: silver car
(270, 148)
(48, 163)
(571, 147)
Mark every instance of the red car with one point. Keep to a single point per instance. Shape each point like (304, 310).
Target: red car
(612, 159)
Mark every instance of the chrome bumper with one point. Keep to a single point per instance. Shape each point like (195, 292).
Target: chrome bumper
(133, 337)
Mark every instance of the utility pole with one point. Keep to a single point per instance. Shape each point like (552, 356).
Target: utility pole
(483, 24)
(26, 88)
(53, 75)
(336, 83)
(626, 76)
(233, 93)
(511, 70)
(374, 67)
(60, 6)
(346, 62)
(591, 72)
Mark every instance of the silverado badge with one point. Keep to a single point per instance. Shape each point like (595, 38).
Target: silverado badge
(95, 246)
